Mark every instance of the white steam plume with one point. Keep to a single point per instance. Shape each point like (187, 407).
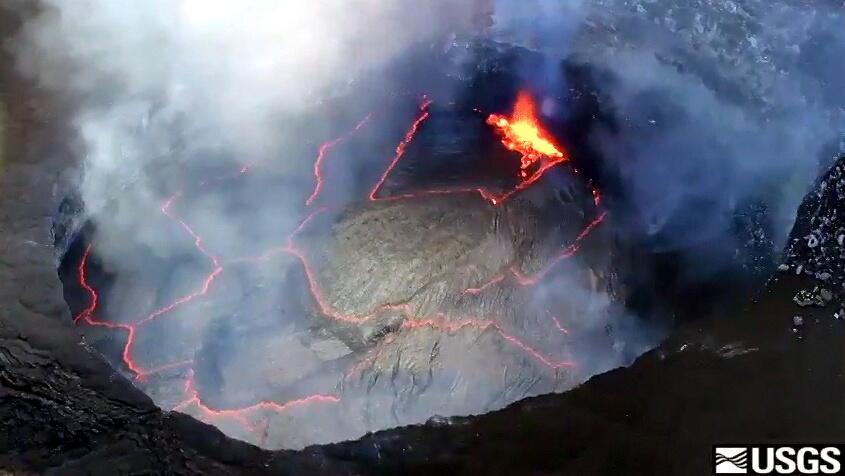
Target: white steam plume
(225, 72)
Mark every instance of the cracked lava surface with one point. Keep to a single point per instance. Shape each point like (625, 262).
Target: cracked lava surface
(251, 416)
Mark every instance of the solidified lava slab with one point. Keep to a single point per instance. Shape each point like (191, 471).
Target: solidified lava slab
(424, 346)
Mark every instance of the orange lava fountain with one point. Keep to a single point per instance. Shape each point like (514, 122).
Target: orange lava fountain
(523, 133)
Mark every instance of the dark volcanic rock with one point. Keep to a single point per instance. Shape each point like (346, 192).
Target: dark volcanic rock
(817, 242)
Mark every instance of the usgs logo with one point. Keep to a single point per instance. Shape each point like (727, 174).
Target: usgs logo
(777, 459)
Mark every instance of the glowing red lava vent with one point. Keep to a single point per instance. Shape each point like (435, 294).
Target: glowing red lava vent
(523, 133)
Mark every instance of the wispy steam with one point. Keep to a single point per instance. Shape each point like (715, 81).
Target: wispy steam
(719, 104)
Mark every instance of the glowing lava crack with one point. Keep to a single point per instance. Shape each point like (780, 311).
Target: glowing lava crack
(521, 133)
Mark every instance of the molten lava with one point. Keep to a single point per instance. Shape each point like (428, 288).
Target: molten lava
(523, 133)
(403, 145)
(325, 148)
